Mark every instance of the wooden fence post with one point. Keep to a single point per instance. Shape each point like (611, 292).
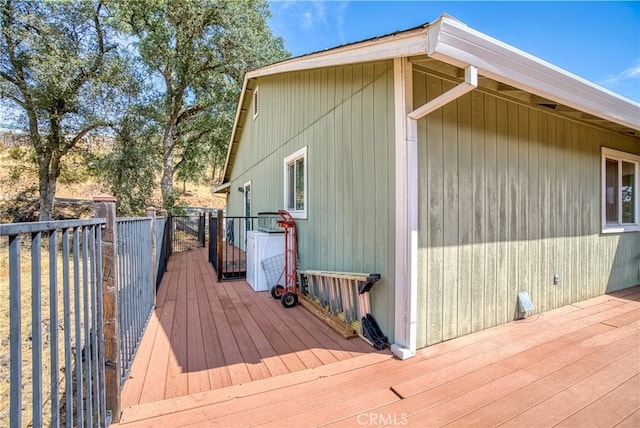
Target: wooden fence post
(219, 244)
(151, 212)
(105, 207)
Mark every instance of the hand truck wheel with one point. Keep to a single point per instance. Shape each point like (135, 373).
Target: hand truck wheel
(289, 299)
(276, 291)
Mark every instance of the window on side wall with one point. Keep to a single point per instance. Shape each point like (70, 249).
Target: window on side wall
(620, 182)
(295, 183)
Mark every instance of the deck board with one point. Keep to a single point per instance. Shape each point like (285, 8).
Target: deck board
(206, 335)
(576, 365)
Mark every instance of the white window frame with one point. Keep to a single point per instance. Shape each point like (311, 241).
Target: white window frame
(255, 103)
(302, 153)
(244, 197)
(629, 158)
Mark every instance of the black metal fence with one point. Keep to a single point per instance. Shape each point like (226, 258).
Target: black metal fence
(188, 233)
(163, 247)
(213, 240)
(228, 245)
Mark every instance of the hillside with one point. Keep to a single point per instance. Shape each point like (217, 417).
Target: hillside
(19, 182)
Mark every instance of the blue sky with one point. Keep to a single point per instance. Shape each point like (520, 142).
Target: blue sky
(599, 41)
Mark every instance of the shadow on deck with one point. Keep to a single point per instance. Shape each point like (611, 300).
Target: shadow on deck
(578, 365)
(206, 335)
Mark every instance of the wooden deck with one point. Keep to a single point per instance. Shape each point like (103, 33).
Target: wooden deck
(234, 261)
(206, 335)
(576, 366)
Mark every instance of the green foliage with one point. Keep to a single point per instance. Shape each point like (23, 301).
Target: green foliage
(62, 68)
(17, 153)
(22, 158)
(163, 75)
(174, 205)
(198, 51)
(129, 170)
(77, 167)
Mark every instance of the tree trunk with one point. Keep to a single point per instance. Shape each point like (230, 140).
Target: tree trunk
(166, 182)
(48, 171)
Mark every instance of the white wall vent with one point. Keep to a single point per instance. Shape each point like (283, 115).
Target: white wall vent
(255, 103)
(524, 304)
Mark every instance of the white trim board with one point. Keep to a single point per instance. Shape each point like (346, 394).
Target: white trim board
(452, 42)
(301, 153)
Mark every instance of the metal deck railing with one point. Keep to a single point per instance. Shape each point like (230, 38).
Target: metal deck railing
(68, 372)
(136, 289)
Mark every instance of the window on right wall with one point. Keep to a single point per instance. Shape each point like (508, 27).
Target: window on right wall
(295, 183)
(620, 182)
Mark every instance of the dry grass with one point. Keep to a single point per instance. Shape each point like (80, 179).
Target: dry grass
(26, 327)
(15, 177)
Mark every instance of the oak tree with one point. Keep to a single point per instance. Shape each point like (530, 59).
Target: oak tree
(197, 52)
(61, 68)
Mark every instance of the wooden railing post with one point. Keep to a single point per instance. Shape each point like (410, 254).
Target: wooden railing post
(220, 250)
(210, 243)
(151, 212)
(105, 207)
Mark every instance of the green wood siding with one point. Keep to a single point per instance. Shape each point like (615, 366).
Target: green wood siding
(344, 115)
(510, 196)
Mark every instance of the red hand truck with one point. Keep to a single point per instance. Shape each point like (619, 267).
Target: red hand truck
(288, 293)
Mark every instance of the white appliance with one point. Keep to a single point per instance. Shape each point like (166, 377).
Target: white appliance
(261, 245)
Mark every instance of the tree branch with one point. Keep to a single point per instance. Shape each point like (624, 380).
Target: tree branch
(7, 77)
(189, 112)
(83, 76)
(19, 79)
(14, 99)
(84, 132)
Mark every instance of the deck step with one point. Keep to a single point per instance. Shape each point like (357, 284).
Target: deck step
(154, 409)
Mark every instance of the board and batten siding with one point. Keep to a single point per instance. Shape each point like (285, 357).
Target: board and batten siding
(344, 116)
(509, 196)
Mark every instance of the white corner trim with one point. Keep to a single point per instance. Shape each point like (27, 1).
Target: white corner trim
(402, 353)
(407, 198)
(405, 281)
(453, 42)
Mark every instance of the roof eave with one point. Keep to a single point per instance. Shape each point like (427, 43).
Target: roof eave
(406, 43)
(453, 42)
(222, 188)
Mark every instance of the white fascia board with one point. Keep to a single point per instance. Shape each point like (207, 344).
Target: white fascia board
(393, 46)
(235, 126)
(453, 42)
